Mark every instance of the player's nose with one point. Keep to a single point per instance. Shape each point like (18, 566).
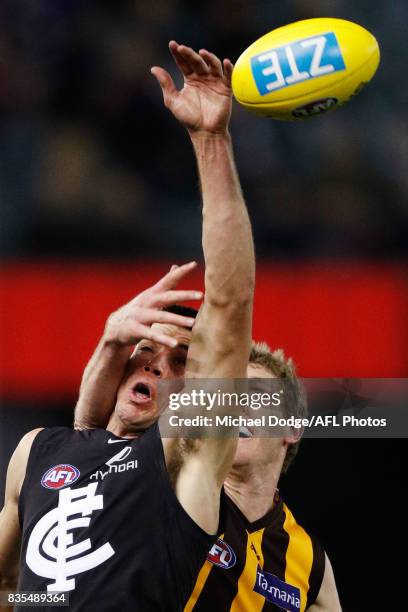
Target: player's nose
(153, 369)
(157, 365)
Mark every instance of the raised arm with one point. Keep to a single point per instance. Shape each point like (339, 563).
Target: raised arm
(222, 333)
(221, 336)
(124, 328)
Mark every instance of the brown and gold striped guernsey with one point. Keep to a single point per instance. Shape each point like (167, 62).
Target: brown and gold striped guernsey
(272, 564)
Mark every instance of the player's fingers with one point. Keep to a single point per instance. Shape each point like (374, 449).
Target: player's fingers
(181, 63)
(151, 334)
(152, 315)
(166, 83)
(175, 274)
(163, 339)
(194, 60)
(173, 297)
(212, 61)
(228, 68)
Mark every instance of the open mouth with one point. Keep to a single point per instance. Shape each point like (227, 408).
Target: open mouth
(244, 432)
(141, 392)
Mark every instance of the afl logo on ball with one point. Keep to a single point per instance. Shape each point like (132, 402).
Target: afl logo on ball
(315, 108)
(222, 555)
(60, 476)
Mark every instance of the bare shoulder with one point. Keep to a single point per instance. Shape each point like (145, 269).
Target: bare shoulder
(24, 446)
(10, 532)
(18, 461)
(328, 598)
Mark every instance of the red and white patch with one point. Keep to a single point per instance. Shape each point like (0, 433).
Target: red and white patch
(59, 476)
(222, 555)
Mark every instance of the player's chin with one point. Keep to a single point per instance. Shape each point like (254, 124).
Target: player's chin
(141, 416)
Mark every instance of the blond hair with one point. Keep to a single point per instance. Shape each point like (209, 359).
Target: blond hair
(282, 367)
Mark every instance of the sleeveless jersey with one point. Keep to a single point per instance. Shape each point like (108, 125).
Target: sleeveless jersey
(100, 521)
(269, 565)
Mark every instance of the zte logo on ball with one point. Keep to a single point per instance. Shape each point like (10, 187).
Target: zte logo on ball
(60, 476)
(299, 61)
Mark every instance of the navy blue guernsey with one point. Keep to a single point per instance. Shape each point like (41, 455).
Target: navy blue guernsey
(101, 522)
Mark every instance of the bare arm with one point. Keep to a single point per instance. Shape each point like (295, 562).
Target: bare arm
(328, 598)
(124, 328)
(221, 336)
(10, 534)
(99, 385)
(221, 339)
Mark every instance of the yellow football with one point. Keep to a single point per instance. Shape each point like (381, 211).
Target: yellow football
(305, 68)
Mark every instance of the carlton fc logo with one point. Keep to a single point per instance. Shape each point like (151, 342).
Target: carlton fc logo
(222, 555)
(59, 476)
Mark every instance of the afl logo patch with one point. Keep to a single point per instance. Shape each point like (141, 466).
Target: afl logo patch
(59, 476)
(222, 555)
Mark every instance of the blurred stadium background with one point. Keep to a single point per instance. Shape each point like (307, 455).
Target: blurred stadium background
(98, 195)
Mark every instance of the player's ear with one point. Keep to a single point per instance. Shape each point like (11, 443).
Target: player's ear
(294, 435)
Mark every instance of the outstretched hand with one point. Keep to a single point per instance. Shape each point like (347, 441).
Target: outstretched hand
(133, 321)
(204, 102)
